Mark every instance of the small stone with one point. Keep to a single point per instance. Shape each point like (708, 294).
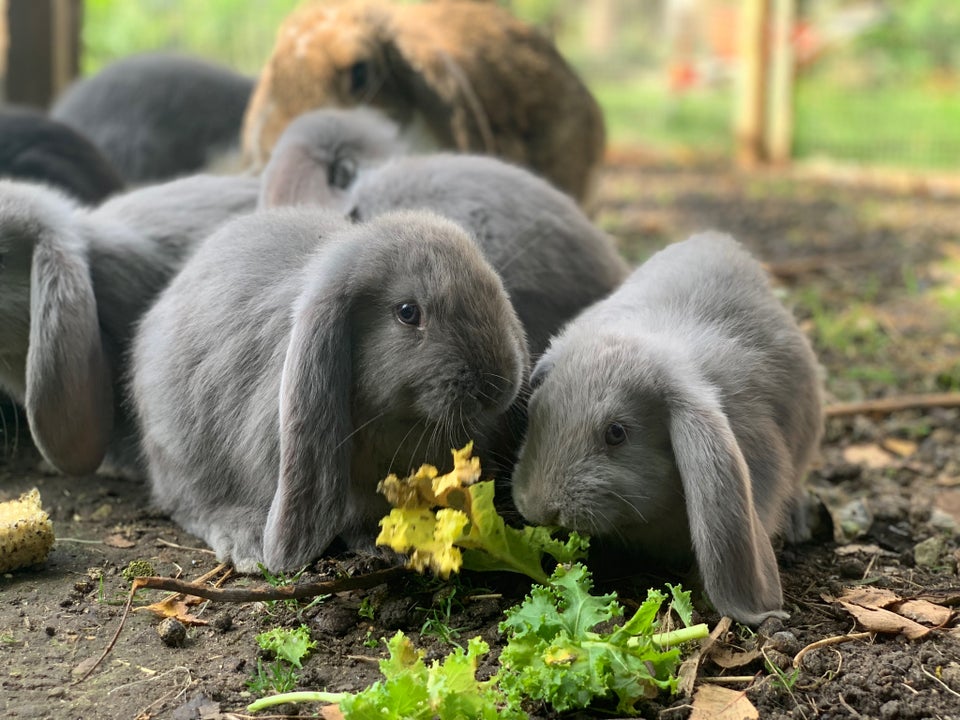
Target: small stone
(891, 710)
(784, 641)
(222, 621)
(770, 626)
(781, 660)
(172, 632)
(50, 630)
(852, 520)
(851, 568)
(950, 674)
(927, 553)
(83, 586)
(335, 620)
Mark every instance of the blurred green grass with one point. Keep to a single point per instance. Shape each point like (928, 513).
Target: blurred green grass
(905, 124)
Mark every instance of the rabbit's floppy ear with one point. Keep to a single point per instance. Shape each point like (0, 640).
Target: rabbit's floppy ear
(309, 506)
(733, 550)
(69, 396)
(295, 177)
(442, 88)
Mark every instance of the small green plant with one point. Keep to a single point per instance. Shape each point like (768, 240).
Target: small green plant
(289, 647)
(370, 641)
(282, 580)
(274, 677)
(366, 609)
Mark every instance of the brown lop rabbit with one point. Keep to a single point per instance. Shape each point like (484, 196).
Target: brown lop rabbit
(460, 74)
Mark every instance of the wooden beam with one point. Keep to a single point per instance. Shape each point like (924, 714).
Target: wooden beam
(751, 83)
(43, 52)
(778, 140)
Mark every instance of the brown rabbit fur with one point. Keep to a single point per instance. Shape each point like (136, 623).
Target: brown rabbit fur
(477, 78)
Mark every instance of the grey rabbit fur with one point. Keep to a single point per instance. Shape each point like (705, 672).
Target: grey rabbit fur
(37, 149)
(554, 262)
(158, 116)
(679, 415)
(73, 283)
(320, 154)
(278, 382)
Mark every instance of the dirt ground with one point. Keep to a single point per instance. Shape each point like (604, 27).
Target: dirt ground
(869, 274)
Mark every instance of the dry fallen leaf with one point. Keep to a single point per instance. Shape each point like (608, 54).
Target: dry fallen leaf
(118, 541)
(883, 611)
(869, 455)
(331, 712)
(884, 621)
(687, 674)
(717, 703)
(728, 658)
(924, 611)
(899, 447)
(174, 606)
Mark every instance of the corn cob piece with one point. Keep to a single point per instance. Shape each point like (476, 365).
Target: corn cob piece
(26, 532)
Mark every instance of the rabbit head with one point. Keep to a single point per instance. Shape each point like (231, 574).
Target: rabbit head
(459, 74)
(628, 444)
(320, 153)
(51, 355)
(402, 329)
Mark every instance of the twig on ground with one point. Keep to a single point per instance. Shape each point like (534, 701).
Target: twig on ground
(849, 709)
(167, 543)
(267, 592)
(284, 592)
(113, 640)
(826, 642)
(893, 404)
(728, 679)
(938, 680)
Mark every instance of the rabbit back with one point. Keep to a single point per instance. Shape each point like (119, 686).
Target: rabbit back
(553, 261)
(35, 148)
(157, 116)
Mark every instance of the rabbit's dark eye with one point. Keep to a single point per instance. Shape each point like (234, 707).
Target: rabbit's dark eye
(614, 434)
(342, 173)
(409, 314)
(359, 76)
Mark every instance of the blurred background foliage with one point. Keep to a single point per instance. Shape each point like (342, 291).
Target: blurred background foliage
(877, 81)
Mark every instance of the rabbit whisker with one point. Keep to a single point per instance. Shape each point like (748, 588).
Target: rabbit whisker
(628, 503)
(401, 443)
(521, 251)
(359, 428)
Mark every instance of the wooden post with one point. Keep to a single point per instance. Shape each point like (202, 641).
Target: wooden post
(43, 53)
(751, 83)
(778, 139)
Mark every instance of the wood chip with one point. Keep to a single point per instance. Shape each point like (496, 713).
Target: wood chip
(718, 703)
(869, 455)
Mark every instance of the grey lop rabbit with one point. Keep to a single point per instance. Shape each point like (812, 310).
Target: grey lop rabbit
(297, 359)
(320, 154)
(678, 418)
(157, 116)
(73, 282)
(554, 262)
(37, 149)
